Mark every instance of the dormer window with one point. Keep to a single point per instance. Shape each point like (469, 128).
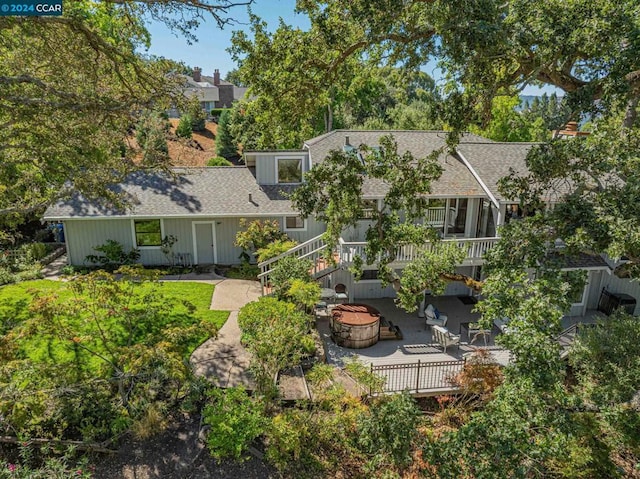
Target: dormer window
(289, 170)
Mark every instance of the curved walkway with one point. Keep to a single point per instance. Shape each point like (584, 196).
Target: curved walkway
(223, 359)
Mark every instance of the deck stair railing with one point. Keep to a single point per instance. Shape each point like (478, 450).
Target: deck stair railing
(313, 249)
(566, 339)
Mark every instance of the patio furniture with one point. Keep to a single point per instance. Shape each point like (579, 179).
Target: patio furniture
(341, 293)
(327, 294)
(444, 337)
(321, 310)
(388, 330)
(435, 317)
(474, 331)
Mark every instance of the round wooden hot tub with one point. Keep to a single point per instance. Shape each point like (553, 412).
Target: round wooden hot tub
(355, 326)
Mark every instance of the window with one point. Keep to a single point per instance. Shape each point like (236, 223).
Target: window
(369, 207)
(294, 223)
(289, 170)
(369, 275)
(147, 232)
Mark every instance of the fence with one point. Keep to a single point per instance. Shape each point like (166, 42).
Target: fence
(418, 377)
(16, 255)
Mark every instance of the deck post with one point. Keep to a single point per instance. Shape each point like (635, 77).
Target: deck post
(418, 377)
(370, 390)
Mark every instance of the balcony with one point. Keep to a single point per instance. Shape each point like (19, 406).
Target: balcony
(475, 250)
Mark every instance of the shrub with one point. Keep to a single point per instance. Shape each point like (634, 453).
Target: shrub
(257, 235)
(218, 161)
(272, 331)
(313, 443)
(151, 133)
(274, 249)
(286, 271)
(235, 420)
(50, 467)
(114, 256)
(35, 251)
(184, 129)
(387, 432)
(244, 271)
(305, 294)
(197, 115)
(216, 112)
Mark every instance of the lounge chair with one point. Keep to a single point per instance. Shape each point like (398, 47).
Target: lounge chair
(435, 317)
(444, 337)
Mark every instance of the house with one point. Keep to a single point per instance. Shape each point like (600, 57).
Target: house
(202, 208)
(211, 91)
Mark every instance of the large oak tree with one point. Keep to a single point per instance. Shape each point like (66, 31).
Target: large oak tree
(72, 88)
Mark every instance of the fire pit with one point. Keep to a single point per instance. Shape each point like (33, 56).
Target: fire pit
(355, 326)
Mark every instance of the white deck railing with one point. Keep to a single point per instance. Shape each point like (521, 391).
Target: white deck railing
(312, 249)
(475, 250)
(315, 250)
(435, 216)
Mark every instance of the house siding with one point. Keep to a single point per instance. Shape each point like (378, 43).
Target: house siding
(314, 228)
(372, 289)
(266, 169)
(83, 235)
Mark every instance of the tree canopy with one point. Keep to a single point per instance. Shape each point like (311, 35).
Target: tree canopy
(536, 425)
(72, 87)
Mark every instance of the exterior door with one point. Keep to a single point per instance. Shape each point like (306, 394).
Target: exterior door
(204, 243)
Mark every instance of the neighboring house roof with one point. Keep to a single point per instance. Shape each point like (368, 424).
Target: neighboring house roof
(492, 161)
(204, 90)
(215, 191)
(456, 178)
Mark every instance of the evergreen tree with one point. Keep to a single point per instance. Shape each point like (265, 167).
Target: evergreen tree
(184, 129)
(225, 146)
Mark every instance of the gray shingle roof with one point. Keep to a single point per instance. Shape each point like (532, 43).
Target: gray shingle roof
(455, 180)
(219, 191)
(492, 161)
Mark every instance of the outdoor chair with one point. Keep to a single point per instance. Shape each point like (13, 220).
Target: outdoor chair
(435, 317)
(444, 337)
(341, 293)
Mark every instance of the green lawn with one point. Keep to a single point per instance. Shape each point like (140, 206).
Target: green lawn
(16, 298)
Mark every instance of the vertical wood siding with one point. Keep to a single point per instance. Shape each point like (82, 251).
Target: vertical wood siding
(83, 235)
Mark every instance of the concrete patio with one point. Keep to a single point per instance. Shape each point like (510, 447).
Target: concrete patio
(417, 362)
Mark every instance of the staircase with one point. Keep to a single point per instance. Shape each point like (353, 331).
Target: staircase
(314, 249)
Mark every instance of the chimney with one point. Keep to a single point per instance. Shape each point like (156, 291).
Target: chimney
(216, 77)
(346, 141)
(197, 74)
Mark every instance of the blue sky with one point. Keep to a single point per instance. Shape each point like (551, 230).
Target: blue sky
(210, 50)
